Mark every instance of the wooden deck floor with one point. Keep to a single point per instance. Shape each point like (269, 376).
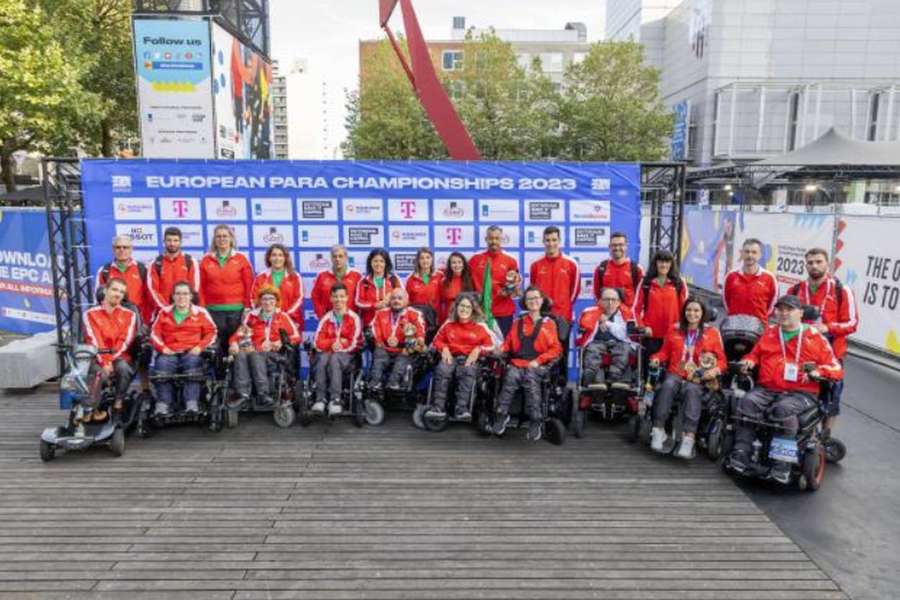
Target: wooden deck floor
(333, 512)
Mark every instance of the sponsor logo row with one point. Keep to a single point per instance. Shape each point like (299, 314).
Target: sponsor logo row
(359, 209)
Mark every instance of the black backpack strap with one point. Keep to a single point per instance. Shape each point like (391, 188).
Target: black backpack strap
(635, 275)
(142, 271)
(838, 294)
(104, 274)
(157, 265)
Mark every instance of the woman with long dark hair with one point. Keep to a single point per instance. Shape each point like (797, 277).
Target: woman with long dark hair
(660, 298)
(456, 279)
(373, 291)
(281, 275)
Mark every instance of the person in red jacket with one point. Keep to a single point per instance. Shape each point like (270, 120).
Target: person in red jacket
(373, 291)
(556, 275)
(226, 278)
(659, 300)
(260, 335)
(461, 341)
(750, 289)
(604, 330)
(618, 271)
(340, 273)
(281, 275)
(784, 388)
(424, 285)
(838, 316)
(532, 344)
(110, 327)
(170, 267)
(456, 280)
(338, 338)
(502, 277)
(686, 350)
(181, 331)
(133, 273)
(398, 330)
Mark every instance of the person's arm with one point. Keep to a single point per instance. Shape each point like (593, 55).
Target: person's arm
(208, 330)
(318, 297)
(298, 302)
(257, 283)
(152, 285)
(726, 292)
(773, 293)
(665, 351)
(129, 338)
(576, 285)
(201, 281)
(156, 336)
(584, 329)
(322, 339)
(596, 284)
(290, 327)
(357, 339)
(440, 339)
(848, 316)
(359, 300)
(551, 337)
(247, 279)
(827, 364)
(718, 348)
(194, 278)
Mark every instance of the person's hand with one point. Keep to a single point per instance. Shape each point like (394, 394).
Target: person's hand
(472, 357)
(195, 350)
(168, 351)
(534, 364)
(392, 342)
(336, 346)
(648, 331)
(276, 345)
(446, 356)
(603, 325)
(814, 375)
(420, 345)
(107, 369)
(821, 328)
(233, 349)
(266, 346)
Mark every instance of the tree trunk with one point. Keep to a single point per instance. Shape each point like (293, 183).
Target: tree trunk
(106, 139)
(7, 168)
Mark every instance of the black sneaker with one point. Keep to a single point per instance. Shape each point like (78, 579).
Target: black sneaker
(500, 423)
(780, 472)
(535, 430)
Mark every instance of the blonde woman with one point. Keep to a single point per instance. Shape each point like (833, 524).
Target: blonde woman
(226, 279)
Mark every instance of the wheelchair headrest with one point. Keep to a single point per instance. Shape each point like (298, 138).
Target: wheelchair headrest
(811, 313)
(712, 314)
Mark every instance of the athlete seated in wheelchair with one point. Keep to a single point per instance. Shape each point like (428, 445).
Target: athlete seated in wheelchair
(777, 424)
(398, 334)
(461, 342)
(255, 347)
(532, 351)
(695, 358)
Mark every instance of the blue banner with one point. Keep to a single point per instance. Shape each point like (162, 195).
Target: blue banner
(26, 282)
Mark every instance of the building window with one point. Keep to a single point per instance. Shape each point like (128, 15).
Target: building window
(552, 62)
(578, 57)
(793, 120)
(872, 133)
(452, 60)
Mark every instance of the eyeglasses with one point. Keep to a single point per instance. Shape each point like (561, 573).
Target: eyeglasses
(121, 247)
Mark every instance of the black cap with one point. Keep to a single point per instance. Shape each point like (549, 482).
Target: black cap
(790, 301)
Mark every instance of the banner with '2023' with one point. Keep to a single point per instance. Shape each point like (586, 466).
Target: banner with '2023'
(402, 206)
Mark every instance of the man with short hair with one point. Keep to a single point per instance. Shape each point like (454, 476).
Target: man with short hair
(337, 338)
(838, 316)
(340, 273)
(618, 271)
(556, 275)
(133, 273)
(750, 289)
(397, 330)
(604, 330)
(169, 268)
(496, 277)
(784, 388)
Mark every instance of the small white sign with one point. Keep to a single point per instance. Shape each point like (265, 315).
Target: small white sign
(271, 209)
(407, 209)
(454, 210)
(226, 209)
(134, 209)
(363, 209)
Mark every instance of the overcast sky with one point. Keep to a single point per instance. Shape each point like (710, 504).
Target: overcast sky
(327, 32)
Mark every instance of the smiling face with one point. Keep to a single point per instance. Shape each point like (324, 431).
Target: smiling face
(788, 317)
(494, 240)
(609, 301)
(181, 296)
(693, 313)
(464, 310)
(115, 292)
(339, 301)
(122, 248)
(426, 262)
(223, 240)
(618, 247)
(663, 267)
(398, 299)
(533, 301)
(551, 244)
(456, 265)
(277, 259)
(378, 265)
(268, 302)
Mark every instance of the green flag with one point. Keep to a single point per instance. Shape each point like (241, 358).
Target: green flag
(487, 296)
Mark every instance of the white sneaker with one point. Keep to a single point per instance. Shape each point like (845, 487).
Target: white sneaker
(686, 448)
(334, 409)
(658, 437)
(318, 408)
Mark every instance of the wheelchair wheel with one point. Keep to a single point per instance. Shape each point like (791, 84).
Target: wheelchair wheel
(231, 419)
(435, 424)
(418, 416)
(578, 419)
(117, 442)
(634, 428)
(484, 424)
(555, 431)
(48, 451)
(284, 415)
(715, 439)
(813, 469)
(374, 412)
(835, 450)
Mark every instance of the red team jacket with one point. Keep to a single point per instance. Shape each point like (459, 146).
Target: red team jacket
(547, 343)
(752, 295)
(674, 351)
(291, 292)
(137, 292)
(767, 355)
(589, 321)
(171, 270)
(110, 331)
(384, 325)
(421, 293)
(501, 264)
(196, 330)
(664, 306)
(368, 295)
(448, 295)
(349, 332)
(321, 292)
(462, 338)
(228, 284)
(618, 276)
(262, 330)
(560, 279)
(839, 315)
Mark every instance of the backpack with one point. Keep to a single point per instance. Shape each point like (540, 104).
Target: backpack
(104, 272)
(645, 289)
(158, 264)
(838, 292)
(600, 273)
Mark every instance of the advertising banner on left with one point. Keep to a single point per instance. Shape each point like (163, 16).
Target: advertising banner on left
(26, 284)
(172, 60)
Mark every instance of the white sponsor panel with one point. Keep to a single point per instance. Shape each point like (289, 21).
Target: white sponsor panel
(313, 262)
(143, 235)
(590, 210)
(408, 236)
(317, 209)
(258, 260)
(226, 209)
(191, 234)
(271, 209)
(182, 209)
(530, 259)
(134, 209)
(27, 315)
(454, 236)
(450, 209)
(317, 235)
(407, 209)
(363, 209)
(241, 234)
(364, 236)
(494, 210)
(357, 260)
(588, 261)
(868, 262)
(589, 237)
(534, 236)
(550, 211)
(510, 236)
(266, 235)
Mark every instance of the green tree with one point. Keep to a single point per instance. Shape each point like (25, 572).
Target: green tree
(41, 99)
(612, 109)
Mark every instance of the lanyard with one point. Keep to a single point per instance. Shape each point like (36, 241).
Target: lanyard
(807, 293)
(690, 340)
(799, 345)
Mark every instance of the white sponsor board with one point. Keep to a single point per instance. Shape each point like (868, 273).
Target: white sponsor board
(490, 210)
(407, 209)
(409, 236)
(454, 236)
(181, 209)
(134, 209)
(226, 209)
(266, 235)
(317, 209)
(545, 211)
(272, 209)
(142, 235)
(454, 210)
(364, 236)
(363, 209)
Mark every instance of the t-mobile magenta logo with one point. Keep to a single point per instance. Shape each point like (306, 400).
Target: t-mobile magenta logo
(407, 209)
(454, 235)
(180, 208)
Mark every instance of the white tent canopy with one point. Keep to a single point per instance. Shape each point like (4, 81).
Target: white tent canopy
(834, 149)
